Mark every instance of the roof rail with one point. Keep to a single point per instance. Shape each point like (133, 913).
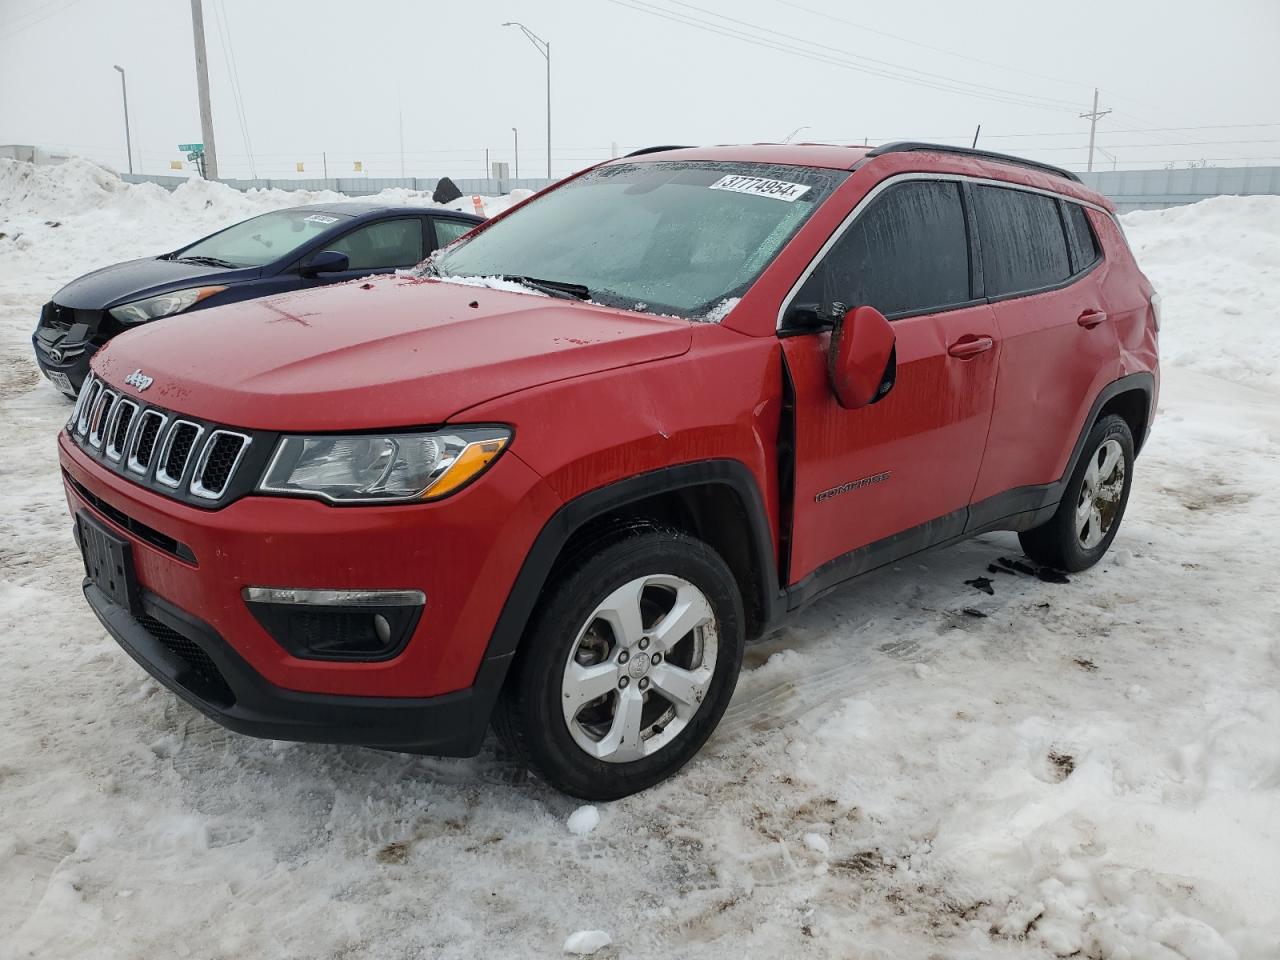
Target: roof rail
(912, 146)
(669, 146)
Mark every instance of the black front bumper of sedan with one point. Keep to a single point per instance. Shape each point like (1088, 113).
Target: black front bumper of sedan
(56, 363)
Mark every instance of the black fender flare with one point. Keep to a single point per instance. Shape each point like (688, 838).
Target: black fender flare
(573, 515)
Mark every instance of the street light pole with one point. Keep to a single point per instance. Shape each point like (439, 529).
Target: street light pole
(128, 141)
(544, 48)
(516, 151)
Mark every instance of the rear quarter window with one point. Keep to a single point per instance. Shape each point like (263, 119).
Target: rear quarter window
(1024, 247)
(1084, 245)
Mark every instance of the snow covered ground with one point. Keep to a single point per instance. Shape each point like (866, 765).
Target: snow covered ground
(1089, 769)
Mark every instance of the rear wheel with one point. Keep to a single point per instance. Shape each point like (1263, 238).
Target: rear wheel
(629, 663)
(1093, 504)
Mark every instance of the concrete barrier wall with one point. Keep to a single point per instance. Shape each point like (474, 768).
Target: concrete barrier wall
(357, 186)
(1128, 189)
(1157, 189)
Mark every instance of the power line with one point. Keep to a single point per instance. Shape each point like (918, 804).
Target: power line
(233, 74)
(50, 13)
(810, 55)
(926, 46)
(1066, 104)
(1063, 133)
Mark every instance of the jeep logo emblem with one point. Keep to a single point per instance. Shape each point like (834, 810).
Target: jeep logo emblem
(139, 379)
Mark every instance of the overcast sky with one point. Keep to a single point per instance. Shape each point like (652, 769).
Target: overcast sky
(320, 75)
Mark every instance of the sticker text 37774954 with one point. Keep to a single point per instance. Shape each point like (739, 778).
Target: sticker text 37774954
(761, 187)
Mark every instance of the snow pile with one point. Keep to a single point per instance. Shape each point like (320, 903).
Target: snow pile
(586, 942)
(1218, 263)
(60, 221)
(583, 820)
(909, 769)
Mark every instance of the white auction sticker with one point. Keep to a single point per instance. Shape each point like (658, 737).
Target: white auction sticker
(761, 187)
(321, 218)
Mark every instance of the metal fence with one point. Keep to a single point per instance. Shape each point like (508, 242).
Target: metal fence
(1157, 189)
(358, 186)
(1128, 189)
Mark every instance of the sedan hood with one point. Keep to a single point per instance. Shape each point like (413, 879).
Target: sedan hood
(147, 277)
(384, 352)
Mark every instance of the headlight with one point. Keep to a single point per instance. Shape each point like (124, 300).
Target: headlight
(396, 467)
(166, 303)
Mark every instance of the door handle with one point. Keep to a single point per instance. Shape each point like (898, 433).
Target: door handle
(1091, 318)
(970, 346)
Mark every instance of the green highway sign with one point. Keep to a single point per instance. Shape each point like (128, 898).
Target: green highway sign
(192, 147)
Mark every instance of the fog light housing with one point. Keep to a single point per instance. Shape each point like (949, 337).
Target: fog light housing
(365, 625)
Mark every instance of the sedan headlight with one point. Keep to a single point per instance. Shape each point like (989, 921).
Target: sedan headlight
(382, 469)
(152, 308)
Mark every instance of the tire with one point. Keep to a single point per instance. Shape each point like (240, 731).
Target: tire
(1075, 539)
(583, 641)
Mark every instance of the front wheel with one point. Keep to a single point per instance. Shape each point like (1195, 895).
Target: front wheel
(629, 663)
(1092, 505)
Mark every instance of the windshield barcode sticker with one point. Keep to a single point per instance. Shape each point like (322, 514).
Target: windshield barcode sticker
(761, 187)
(321, 218)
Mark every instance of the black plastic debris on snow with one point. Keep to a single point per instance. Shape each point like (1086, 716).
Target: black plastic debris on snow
(983, 584)
(971, 612)
(1047, 574)
(1017, 565)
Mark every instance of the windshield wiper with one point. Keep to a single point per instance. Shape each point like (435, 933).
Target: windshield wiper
(207, 261)
(556, 288)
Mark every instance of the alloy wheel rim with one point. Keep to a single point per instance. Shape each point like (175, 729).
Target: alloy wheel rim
(1100, 493)
(640, 668)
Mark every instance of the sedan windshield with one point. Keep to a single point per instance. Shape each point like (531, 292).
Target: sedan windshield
(261, 240)
(663, 237)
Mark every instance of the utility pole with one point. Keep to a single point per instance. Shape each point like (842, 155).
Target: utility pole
(1093, 118)
(516, 150)
(202, 84)
(400, 124)
(544, 48)
(128, 141)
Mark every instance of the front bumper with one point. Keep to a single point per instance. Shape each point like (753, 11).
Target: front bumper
(463, 553)
(75, 368)
(192, 660)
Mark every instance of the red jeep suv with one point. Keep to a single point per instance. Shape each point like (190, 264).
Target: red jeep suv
(558, 476)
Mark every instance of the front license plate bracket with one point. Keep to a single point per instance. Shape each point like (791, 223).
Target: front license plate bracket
(108, 562)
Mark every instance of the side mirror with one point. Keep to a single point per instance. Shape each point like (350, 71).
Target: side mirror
(326, 261)
(861, 360)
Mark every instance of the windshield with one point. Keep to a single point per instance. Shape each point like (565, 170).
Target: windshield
(663, 237)
(263, 239)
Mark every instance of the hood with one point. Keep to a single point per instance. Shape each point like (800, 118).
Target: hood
(383, 352)
(147, 277)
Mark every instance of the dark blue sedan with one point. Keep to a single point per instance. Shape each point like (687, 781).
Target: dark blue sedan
(291, 249)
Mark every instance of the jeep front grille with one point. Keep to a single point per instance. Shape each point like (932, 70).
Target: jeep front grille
(179, 456)
(217, 463)
(175, 451)
(118, 429)
(144, 444)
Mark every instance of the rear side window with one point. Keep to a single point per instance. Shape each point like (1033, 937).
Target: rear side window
(379, 246)
(907, 253)
(448, 230)
(1024, 247)
(1084, 245)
